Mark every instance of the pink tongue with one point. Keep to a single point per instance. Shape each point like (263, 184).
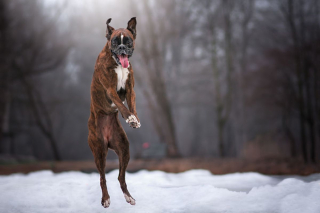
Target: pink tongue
(124, 60)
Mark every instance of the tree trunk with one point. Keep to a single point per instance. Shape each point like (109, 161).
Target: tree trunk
(308, 84)
(247, 11)
(221, 125)
(53, 144)
(44, 126)
(293, 151)
(298, 70)
(227, 9)
(219, 109)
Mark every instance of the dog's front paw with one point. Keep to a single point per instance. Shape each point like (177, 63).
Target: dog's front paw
(133, 121)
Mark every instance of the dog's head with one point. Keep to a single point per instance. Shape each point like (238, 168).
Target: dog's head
(121, 42)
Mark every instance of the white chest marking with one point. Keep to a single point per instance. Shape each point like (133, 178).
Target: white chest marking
(122, 74)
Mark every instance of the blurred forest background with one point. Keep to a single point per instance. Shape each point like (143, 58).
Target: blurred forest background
(214, 79)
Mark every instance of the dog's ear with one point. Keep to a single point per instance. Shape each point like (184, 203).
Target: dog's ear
(109, 29)
(132, 26)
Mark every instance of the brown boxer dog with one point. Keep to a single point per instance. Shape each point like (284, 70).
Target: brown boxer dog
(112, 84)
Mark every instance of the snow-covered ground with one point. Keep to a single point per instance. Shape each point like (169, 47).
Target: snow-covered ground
(193, 191)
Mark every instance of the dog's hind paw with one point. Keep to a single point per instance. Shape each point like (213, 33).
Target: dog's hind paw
(133, 121)
(106, 203)
(129, 199)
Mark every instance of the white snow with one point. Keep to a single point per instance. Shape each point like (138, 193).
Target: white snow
(193, 191)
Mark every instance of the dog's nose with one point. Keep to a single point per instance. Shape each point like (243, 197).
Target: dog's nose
(122, 47)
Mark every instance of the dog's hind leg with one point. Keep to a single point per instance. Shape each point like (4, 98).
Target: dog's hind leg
(99, 150)
(100, 160)
(120, 145)
(124, 157)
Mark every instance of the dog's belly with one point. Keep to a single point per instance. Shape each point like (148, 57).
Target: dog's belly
(107, 124)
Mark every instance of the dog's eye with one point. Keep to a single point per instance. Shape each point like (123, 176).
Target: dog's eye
(113, 43)
(129, 44)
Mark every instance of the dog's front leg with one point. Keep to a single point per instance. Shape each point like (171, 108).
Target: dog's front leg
(126, 114)
(131, 101)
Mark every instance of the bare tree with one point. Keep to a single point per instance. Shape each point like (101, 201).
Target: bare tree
(246, 11)
(297, 15)
(223, 93)
(33, 51)
(156, 36)
(292, 80)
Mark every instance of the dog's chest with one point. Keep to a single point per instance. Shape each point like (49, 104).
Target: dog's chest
(122, 74)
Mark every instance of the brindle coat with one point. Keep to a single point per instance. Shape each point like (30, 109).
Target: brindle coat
(105, 130)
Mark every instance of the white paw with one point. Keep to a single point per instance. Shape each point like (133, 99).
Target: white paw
(138, 125)
(134, 120)
(106, 203)
(129, 199)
